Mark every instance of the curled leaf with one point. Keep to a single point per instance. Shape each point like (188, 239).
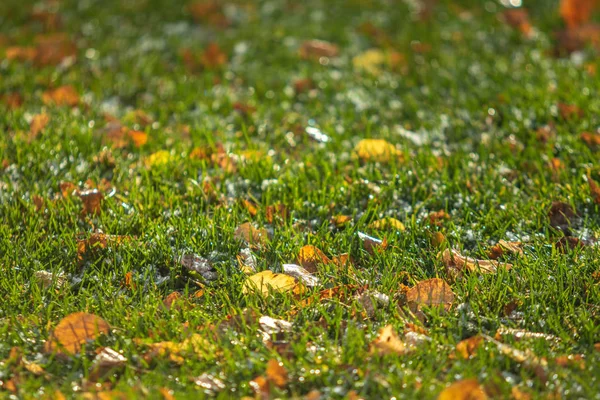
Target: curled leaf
(456, 263)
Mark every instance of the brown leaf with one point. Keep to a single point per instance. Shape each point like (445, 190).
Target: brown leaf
(12, 100)
(171, 299)
(98, 241)
(437, 217)
(61, 96)
(92, 202)
(468, 348)
(466, 389)
(431, 292)
(209, 12)
(591, 139)
(372, 244)
(576, 38)
(276, 373)
(594, 189)
(388, 342)
(456, 263)
(73, 331)
(569, 111)
(518, 18)
(315, 49)
(505, 247)
(54, 49)
(275, 211)
(38, 123)
(106, 361)
(251, 235)
(561, 215)
(310, 257)
(21, 54)
(213, 57)
(576, 12)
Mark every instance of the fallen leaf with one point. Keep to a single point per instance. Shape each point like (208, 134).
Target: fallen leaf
(576, 38)
(594, 189)
(167, 394)
(37, 125)
(47, 279)
(92, 202)
(138, 138)
(199, 267)
(387, 223)
(519, 334)
(276, 373)
(53, 49)
(260, 385)
(247, 261)
(250, 207)
(372, 244)
(569, 111)
(21, 54)
(61, 96)
(266, 282)
(170, 301)
(301, 274)
(370, 61)
(576, 12)
(437, 217)
(525, 357)
(73, 331)
(505, 247)
(195, 345)
(561, 216)
(12, 100)
(518, 394)
(518, 18)
(388, 342)
(378, 150)
(310, 257)
(315, 49)
(466, 389)
(270, 326)
(213, 57)
(210, 12)
(340, 220)
(248, 233)
(591, 139)
(106, 361)
(98, 241)
(157, 159)
(276, 211)
(468, 348)
(431, 292)
(571, 360)
(456, 263)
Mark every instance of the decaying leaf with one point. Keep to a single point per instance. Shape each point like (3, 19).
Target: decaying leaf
(92, 201)
(455, 264)
(106, 361)
(591, 139)
(310, 257)
(519, 334)
(301, 274)
(594, 189)
(388, 342)
(524, 357)
(372, 244)
(266, 282)
(53, 49)
(370, 61)
(37, 125)
(468, 348)
(437, 217)
(505, 247)
(247, 261)
(315, 49)
(11, 100)
(466, 389)
(518, 18)
(213, 57)
(577, 12)
(47, 279)
(378, 150)
(98, 241)
(195, 345)
(431, 292)
(569, 111)
(210, 12)
(387, 223)
(270, 326)
(61, 96)
(562, 216)
(276, 373)
(253, 236)
(171, 300)
(199, 267)
(73, 331)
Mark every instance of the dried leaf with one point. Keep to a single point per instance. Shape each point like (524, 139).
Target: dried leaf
(276, 373)
(213, 57)
(371, 61)
(315, 49)
(277, 210)
(38, 123)
(378, 150)
(466, 389)
(594, 189)
(519, 334)
(195, 345)
(340, 220)
(73, 331)
(260, 385)
(561, 215)
(387, 224)
(301, 274)
(54, 49)
(92, 202)
(372, 244)
(591, 139)
(455, 264)
(106, 361)
(468, 348)
(47, 279)
(21, 54)
(266, 282)
(518, 18)
(270, 326)
(569, 111)
(61, 96)
(98, 241)
(12, 100)
(505, 247)
(199, 267)
(170, 301)
(138, 138)
(310, 257)
(576, 12)
(248, 233)
(209, 12)
(437, 217)
(431, 292)
(247, 261)
(388, 342)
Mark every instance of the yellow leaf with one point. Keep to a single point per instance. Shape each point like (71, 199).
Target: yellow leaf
(61, 96)
(266, 281)
(73, 331)
(388, 342)
(387, 223)
(161, 157)
(466, 389)
(310, 257)
(379, 150)
(38, 123)
(370, 61)
(430, 292)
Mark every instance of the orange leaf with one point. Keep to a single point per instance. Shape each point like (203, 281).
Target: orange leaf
(38, 123)
(468, 348)
(388, 342)
(54, 49)
(518, 18)
(73, 331)
(591, 139)
(213, 57)
(18, 53)
(466, 389)
(12, 100)
(315, 49)
(456, 263)
(310, 257)
(251, 235)
(138, 138)
(92, 200)
(430, 292)
(61, 96)
(576, 12)
(276, 373)
(594, 190)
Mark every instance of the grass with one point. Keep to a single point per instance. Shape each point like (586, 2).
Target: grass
(475, 97)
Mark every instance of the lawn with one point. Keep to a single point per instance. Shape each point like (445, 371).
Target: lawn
(311, 199)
